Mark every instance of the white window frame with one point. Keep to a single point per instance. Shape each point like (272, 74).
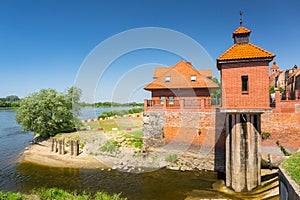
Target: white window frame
(193, 78)
(168, 79)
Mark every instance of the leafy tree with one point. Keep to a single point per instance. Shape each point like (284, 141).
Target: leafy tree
(216, 95)
(48, 112)
(272, 90)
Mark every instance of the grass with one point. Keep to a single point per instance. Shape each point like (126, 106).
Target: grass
(120, 123)
(292, 166)
(110, 146)
(171, 158)
(58, 194)
(134, 138)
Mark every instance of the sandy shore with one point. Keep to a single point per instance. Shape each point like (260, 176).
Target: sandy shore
(41, 154)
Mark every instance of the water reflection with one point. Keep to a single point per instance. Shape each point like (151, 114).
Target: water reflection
(162, 184)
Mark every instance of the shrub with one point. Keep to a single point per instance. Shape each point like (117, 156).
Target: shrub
(265, 135)
(110, 146)
(11, 196)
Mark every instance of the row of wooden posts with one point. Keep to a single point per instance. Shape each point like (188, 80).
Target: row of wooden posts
(59, 146)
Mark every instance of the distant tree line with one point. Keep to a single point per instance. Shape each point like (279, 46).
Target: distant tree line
(120, 112)
(112, 104)
(10, 101)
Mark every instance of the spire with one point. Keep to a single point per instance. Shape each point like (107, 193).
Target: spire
(241, 18)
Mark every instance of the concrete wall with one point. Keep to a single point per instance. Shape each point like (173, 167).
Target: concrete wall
(288, 188)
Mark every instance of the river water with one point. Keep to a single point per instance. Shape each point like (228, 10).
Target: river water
(15, 176)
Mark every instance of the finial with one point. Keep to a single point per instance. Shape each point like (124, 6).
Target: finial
(241, 19)
(274, 62)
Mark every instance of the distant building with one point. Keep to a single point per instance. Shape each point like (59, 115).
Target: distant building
(289, 80)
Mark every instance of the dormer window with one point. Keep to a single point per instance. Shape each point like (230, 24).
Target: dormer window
(168, 79)
(193, 78)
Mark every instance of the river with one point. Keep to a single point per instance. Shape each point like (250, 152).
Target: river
(15, 176)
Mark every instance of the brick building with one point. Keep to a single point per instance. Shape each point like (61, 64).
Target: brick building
(180, 87)
(245, 73)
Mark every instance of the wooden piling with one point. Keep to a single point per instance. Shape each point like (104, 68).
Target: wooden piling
(72, 147)
(52, 144)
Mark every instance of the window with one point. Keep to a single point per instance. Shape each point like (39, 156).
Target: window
(193, 78)
(245, 84)
(168, 79)
(162, 99)
(171, 100)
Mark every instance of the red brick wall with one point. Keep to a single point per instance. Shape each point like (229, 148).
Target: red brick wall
(283, 127)
(183, 128)
(258, 85)
(196, 128)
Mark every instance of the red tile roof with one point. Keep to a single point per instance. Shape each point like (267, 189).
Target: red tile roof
(245, 51)
(275, 65)
(180, 77)
(241, 30)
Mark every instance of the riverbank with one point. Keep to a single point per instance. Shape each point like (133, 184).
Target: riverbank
(41, 154)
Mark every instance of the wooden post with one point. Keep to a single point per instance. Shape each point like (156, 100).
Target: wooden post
(76, 147)
(56, 149)
(52, 144)
(60, 146)
(63, 146)
(72, 147)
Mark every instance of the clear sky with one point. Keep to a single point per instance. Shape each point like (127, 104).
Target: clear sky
(44, 43)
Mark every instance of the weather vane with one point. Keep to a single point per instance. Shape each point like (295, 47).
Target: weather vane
(241, 19)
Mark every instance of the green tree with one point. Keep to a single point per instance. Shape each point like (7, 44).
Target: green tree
(47, 112)
(216, 95)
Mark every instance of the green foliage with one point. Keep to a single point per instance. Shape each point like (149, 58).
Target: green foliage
(110, 146)
(48, 112)
(283, 149)
(11, 196)
(171, 158)
(10, 101)
(58, 194)
(265, 135)
(120, 112)
(272, 90)
(292, 166)
(134, 139)
(112, 104)
(216, 95)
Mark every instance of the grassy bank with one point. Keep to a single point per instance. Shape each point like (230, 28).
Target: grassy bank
(292, 166)
(54, 193)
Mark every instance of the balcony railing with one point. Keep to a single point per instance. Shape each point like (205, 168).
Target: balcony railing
(201, 105)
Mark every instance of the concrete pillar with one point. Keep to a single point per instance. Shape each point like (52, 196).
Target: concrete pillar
(242, 152)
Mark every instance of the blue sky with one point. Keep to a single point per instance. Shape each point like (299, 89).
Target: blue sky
(44, 43)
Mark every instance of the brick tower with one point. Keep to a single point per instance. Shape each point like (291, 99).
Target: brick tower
(244, 71)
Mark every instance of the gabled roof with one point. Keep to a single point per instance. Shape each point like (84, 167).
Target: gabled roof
(180, 77)
(245, 51)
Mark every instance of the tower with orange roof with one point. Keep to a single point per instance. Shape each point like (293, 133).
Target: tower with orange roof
(244, 69)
